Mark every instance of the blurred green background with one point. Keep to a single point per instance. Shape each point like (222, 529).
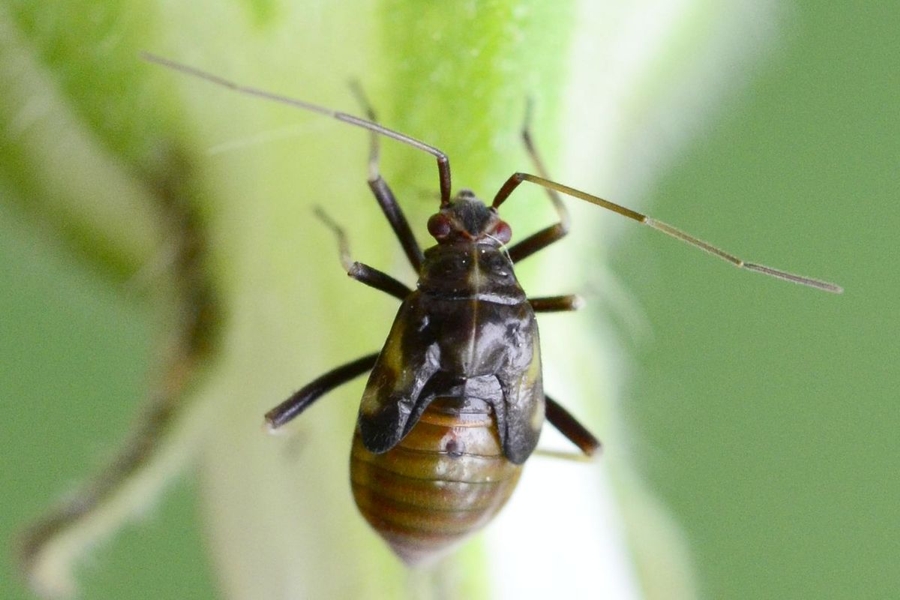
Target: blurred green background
(764, 413)
(767, 414)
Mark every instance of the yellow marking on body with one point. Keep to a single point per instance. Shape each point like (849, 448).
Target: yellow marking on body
(391, 361)
(475, 284)
(533, 375)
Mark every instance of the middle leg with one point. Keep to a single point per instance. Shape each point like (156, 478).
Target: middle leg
(556, 303)
(361, 272)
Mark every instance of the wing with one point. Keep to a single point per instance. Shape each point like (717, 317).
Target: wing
(394, 399)
(523, 395)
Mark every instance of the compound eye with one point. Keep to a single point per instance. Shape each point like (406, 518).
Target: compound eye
(503, 232)
(439, 226)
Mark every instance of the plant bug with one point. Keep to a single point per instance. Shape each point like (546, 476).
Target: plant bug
(454, 404)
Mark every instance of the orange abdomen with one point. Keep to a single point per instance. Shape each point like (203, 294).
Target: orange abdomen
(442, 482)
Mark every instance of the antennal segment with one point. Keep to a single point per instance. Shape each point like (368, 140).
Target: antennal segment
(443, 162)
(513, 182)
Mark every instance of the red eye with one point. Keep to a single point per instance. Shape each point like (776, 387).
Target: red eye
(439, 226)
(503, 232)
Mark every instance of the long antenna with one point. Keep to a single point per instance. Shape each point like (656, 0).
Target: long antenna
(517, 178)
(443, 162)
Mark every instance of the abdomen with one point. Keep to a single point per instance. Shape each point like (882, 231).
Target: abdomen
(442, 482)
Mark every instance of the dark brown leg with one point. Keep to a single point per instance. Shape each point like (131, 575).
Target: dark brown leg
(385, 196)
(379, 280)
(359, 271)
(305, 396)
(574, 431)
(556, 303)
(544, 237)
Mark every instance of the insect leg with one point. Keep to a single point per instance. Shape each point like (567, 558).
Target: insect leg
(556, 303)
(383, 193)
(548, 235)
(574, 431)
(302, 398)
(359, 271)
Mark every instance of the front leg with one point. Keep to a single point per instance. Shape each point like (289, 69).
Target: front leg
(543, 238)
(385, 196)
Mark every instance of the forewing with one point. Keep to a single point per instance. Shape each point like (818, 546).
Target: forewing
(392, 401)
(523, 399)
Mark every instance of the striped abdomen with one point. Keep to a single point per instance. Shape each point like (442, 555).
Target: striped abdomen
(442, 482)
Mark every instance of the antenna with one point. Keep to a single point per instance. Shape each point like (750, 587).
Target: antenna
(443, 163)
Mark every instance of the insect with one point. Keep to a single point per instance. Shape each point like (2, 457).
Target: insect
(454, 403)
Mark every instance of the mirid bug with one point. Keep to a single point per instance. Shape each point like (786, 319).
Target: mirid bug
(454, 404)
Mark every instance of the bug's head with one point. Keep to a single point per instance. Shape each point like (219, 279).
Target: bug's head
(466, 218)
